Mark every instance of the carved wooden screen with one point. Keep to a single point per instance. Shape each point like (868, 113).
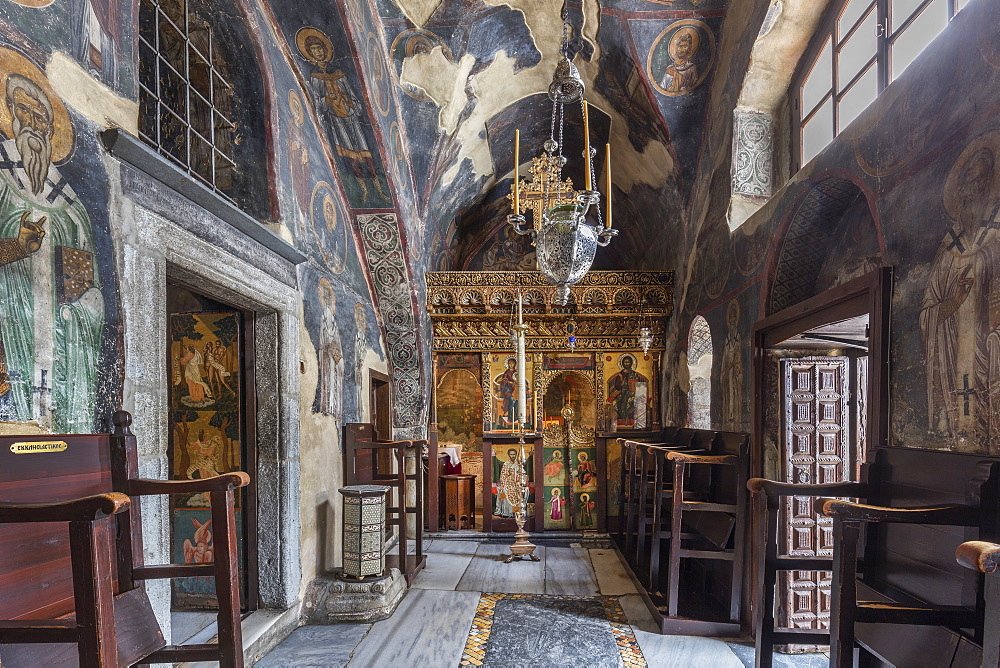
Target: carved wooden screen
(817, 449)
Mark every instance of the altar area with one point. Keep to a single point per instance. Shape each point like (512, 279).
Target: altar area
(588, 383)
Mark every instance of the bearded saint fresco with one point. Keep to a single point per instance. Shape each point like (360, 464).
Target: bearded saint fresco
(51, 307)
(960, 312)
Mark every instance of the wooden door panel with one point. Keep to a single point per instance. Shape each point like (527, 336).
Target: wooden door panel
(817, 430)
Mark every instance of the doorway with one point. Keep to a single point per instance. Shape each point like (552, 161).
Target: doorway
(212, 420)
(819, 398)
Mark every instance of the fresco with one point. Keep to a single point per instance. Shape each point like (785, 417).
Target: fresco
(52, 309)
(206, 438)
(960, 311)
(732, 374)
(681, 57)
(344, 117)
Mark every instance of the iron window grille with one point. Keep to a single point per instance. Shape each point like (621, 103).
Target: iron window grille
(186, 94)
(837, 79)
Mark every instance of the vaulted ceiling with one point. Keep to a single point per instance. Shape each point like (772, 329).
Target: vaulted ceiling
(473, 71)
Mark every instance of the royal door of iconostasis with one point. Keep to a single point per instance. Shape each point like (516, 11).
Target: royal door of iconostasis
(580, 392)
(210, 433)
(570, 478)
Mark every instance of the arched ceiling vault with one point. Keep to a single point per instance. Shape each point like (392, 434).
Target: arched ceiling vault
(474, 70)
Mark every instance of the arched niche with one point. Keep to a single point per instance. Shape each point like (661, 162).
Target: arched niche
(833, 234)
(460, 410)
(699, 361)
(574, 390)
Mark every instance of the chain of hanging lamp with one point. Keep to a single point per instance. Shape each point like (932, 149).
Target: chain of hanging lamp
(565, 241)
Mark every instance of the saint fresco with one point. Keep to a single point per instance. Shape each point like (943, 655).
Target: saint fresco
(51, 306)
(960, 312)
(344, 117)
(681, 57)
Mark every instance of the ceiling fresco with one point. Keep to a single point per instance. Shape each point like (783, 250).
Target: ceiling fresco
(472, 71)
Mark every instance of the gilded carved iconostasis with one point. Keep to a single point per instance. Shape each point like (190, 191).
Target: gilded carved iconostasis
(601, 383)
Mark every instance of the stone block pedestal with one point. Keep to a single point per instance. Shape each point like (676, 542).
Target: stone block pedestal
(331, 599)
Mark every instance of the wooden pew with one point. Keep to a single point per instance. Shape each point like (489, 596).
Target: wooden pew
(984, 557)
(72, 569)
(698, 477)
(906, 561)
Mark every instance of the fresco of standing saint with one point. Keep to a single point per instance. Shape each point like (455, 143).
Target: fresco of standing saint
(51, 307)
(341, 112)
(959, 315)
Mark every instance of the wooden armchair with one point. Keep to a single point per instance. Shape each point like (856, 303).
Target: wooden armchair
(771, 496)
(83, 586)
(983, 557)
(848, 521)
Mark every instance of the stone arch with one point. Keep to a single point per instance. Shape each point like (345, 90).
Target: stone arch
(806, 238)
(699, 362)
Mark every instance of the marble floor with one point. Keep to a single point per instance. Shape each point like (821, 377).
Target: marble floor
(431, 625)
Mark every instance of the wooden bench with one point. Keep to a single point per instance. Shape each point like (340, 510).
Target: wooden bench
(72, 566)
(908, 573)
(684, 504)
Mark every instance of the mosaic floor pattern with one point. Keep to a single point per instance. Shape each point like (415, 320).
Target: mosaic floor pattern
(535, 629)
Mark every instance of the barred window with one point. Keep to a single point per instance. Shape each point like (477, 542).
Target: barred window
(186, 94)
(860, 47)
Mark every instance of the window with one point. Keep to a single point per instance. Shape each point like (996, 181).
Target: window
(860, 47)
(699, 359)
(186, 94)
(202, 99)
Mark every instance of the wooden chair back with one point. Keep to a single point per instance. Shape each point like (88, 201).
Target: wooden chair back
(41, 582)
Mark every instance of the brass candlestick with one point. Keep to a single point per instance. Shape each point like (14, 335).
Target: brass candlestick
(517, 495)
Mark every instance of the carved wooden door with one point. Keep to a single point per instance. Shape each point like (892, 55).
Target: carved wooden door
(818, 449)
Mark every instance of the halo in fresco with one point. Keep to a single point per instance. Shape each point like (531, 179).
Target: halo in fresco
(414, 42)
(381, 84)
(33, 3)
(953, 195)
(681, 57)
(330, 226)
(295, 106)
(305, 33)
(12, 62)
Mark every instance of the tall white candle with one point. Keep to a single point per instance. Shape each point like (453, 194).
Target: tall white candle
(522, 371)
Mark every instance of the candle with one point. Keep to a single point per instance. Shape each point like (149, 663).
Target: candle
(517, 167)
(522, 381)
(607, 188)
(587, 178)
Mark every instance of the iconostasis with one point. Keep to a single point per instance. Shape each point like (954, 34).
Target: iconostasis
(598, 384)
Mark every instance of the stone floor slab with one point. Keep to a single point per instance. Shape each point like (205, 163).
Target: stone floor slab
(568, 571)
(488, 573)
(685, 651)
(316, 646)
(611, 575)
(428, 629)
(444, 570)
